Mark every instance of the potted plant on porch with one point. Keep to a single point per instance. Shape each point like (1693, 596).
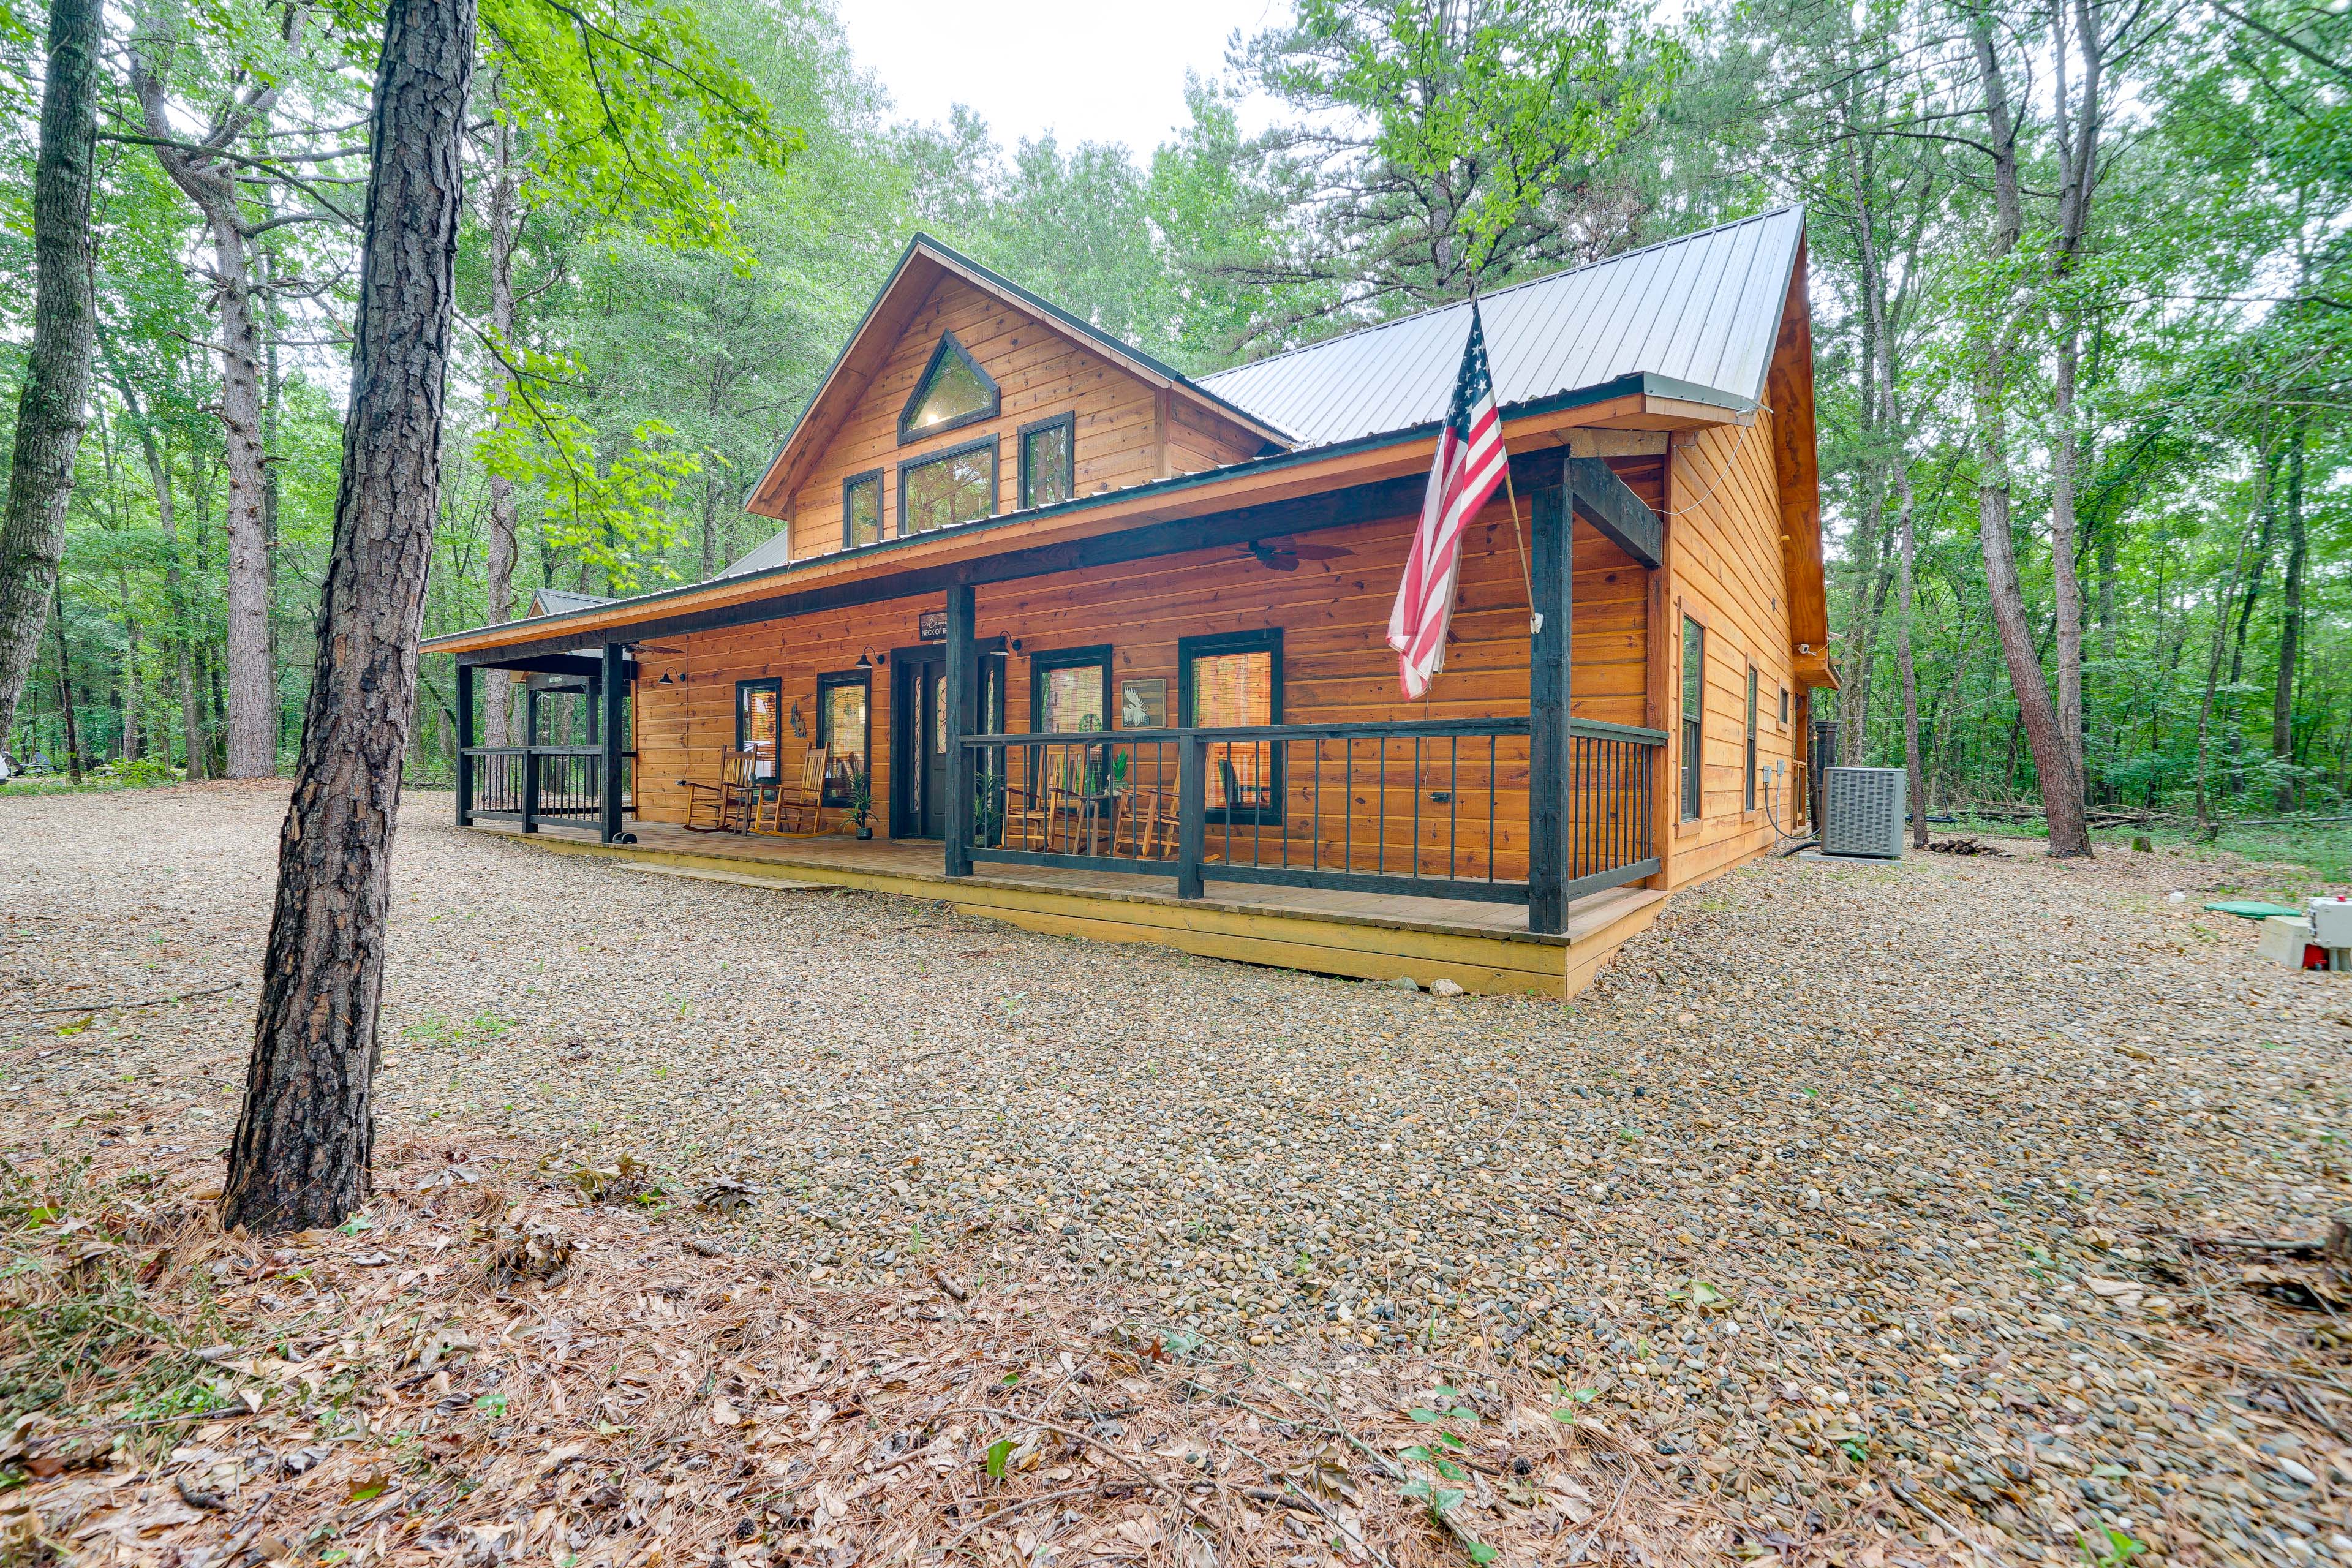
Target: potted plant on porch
(861, 801)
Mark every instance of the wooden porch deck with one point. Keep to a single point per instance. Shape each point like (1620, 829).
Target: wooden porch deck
(1482, 947)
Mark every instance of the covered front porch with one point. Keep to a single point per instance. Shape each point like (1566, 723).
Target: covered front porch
(1480, 946)
(1171, 734)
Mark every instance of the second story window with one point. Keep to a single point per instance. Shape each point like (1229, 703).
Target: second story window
(1049, 473)
(952, 391)
(861, 509)
(957, 486)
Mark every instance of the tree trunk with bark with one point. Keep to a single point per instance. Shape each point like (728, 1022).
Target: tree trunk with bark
(209, 182)
(2290, 647)
(53, 404)
(65, 683)
(192, 711)
(303, 1140)
(2061, 790)
(505, 191)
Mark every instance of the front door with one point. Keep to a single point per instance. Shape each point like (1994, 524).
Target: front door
(919, 735)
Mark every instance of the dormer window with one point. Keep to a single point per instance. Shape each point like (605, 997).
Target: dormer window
(953, 391)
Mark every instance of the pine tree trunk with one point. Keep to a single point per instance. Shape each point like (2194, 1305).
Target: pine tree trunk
(53, 404)
(133, 694)
(301, 1156)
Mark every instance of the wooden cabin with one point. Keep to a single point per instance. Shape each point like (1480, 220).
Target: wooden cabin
(1100, 648)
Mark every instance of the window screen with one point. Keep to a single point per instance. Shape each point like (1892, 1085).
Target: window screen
(955, 487)
(861, 511)
(1694, 713)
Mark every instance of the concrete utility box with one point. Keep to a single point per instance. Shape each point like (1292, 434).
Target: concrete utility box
(2283, 938)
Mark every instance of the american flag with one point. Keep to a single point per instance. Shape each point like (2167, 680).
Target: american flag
(1470, 463)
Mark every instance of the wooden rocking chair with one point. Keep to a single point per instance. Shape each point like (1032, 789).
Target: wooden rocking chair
(725, 806)
(796, 810)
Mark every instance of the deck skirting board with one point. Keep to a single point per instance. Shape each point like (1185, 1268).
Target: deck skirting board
(1354, 945)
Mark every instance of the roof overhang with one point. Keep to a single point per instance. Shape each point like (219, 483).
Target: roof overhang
(1796, 461)
(1627, 401)
(920, 267)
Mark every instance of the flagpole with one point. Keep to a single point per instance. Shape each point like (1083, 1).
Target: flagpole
(1526, 577)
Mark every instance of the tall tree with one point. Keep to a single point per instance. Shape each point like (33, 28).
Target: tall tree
(53, 405)
(303, 1138)
(1997, 342)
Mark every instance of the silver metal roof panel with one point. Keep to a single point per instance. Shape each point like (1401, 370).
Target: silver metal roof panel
(1703, 309)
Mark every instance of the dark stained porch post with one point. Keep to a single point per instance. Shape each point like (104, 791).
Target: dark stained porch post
(531, 759)
(610, 688)
(465, 758)
(1550, 787)
(963, 718)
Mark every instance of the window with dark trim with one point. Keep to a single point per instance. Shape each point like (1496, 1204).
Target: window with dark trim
(1230, 681)
(861, 509)
(1069, 689)
(758, 724)
(952, 391)
(1048, 457)
(845, 729)
(1784, 708)
(1694, 712)
(958, 485)
(1750, 759)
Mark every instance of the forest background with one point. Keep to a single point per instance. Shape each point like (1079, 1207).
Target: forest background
(2081, 274)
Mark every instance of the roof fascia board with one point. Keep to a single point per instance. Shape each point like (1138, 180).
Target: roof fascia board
(1531, 419)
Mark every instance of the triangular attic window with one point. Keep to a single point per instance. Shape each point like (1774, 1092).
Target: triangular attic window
(953, 391)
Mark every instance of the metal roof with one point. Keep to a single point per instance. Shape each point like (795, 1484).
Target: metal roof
(562, 601)
(1703, 310)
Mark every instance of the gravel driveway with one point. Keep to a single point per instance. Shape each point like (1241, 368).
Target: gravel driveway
(1837, 1162)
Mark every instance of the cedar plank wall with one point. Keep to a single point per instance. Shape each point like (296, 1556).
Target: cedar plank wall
(1729, 575)
(1039, 373)
(1333, 614)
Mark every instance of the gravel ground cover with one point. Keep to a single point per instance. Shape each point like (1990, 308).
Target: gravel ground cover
(1898, 1189)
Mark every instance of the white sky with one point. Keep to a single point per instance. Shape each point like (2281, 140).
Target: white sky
(1088, 71)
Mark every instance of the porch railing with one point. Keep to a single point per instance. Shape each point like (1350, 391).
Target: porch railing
(1431, 809)
(531, 785)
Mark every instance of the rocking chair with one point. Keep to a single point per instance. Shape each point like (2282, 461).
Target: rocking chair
(725, 806)
(795, 812)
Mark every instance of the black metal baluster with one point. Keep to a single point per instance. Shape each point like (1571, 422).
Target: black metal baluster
(1453, 801)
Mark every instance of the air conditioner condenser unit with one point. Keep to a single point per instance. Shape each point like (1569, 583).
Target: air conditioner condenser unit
(1862, 812)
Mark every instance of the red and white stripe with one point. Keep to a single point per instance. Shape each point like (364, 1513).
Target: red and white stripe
(1470, 464)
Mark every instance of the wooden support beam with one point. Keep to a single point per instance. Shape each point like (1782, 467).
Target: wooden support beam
(1550, 797)
(465, 726)
(1609, 505)
(611, 685)
(963, 719)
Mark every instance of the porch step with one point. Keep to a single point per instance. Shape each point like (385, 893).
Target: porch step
(779, 884)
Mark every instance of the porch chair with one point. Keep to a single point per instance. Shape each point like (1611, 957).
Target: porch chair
(725, 806)
(794, 811)
(1028, 814)
(1148, 819)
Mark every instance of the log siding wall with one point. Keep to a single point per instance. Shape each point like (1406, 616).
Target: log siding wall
(1038, 372)
(1727, 570)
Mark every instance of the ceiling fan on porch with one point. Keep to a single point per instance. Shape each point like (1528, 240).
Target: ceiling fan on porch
(1286, 557)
